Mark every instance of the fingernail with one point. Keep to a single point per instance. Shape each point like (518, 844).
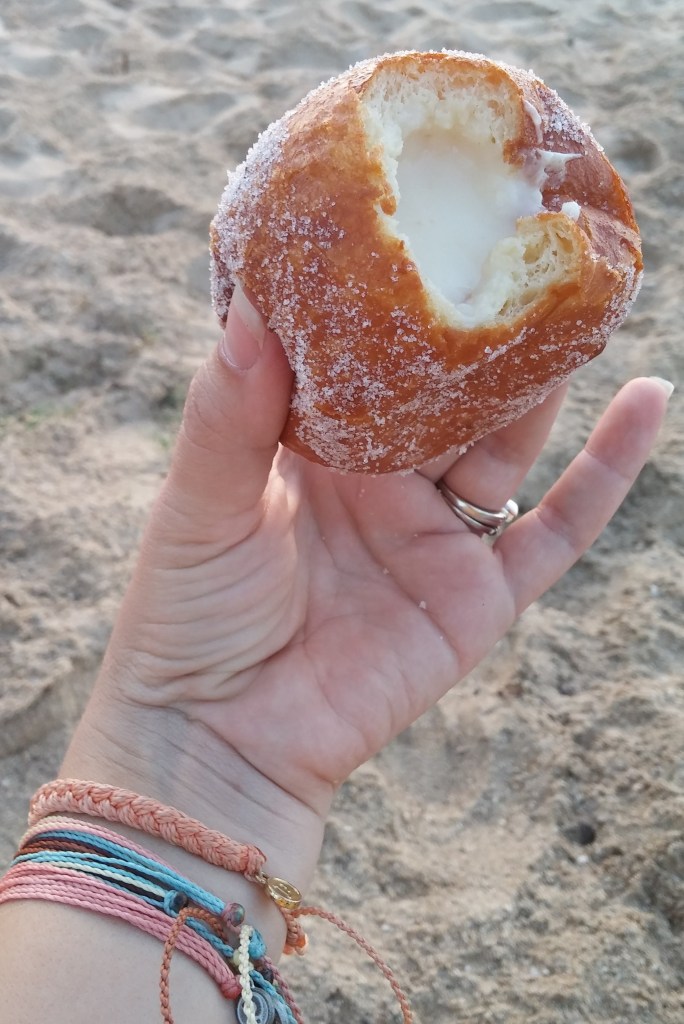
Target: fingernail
(666, 385)
(245, 332)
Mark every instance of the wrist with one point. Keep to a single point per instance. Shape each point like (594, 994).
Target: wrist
(160, 753)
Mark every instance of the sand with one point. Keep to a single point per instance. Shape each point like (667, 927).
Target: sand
(518, 855)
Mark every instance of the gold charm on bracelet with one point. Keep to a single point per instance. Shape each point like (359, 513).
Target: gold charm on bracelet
(283, 893)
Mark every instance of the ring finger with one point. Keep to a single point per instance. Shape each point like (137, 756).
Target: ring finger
(492, 470)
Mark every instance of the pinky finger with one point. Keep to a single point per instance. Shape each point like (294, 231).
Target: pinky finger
(538, 549)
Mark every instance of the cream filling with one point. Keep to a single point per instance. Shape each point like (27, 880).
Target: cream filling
(463, 238)
(474, 200)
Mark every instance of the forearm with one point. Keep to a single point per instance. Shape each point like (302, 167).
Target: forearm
(80, 965)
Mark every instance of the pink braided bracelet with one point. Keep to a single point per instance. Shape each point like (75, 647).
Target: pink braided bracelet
(146, 815)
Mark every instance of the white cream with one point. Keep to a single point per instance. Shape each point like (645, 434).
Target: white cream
(469, 219)
(545, 164)
(475, 200)
(571, 209)
(535, 118)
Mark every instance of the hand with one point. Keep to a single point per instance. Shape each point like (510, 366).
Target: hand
(306, 617)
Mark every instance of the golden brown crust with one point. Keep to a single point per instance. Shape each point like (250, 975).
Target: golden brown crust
(382, 382)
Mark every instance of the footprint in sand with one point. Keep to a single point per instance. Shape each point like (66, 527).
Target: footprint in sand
(631, 152)
(31, 61)
(10, 251)
(125, 210)
(187, 113)
(511, 11)
(7, 119)
(81, 37)
(137, 109)
(29, 166)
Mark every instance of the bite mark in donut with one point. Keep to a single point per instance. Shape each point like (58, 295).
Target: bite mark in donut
(438, 241)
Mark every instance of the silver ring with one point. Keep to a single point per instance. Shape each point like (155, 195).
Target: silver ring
(485, 522)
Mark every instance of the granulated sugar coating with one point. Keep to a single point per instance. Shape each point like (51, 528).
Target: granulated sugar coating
(395, 362)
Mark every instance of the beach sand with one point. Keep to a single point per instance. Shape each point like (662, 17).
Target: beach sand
(518, 855)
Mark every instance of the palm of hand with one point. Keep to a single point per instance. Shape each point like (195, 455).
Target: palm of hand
(350, 608)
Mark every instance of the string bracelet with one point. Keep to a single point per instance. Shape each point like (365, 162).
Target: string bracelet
(69, 861)
(59, 885)
(73, 796)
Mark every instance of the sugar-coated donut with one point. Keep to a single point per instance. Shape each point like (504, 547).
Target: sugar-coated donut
(438, 241)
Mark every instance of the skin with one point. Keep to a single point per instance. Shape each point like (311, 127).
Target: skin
(282, 625)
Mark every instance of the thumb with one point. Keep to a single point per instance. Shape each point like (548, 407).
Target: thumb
(234, 414)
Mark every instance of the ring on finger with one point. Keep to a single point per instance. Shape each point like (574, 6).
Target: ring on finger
(484, 522)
